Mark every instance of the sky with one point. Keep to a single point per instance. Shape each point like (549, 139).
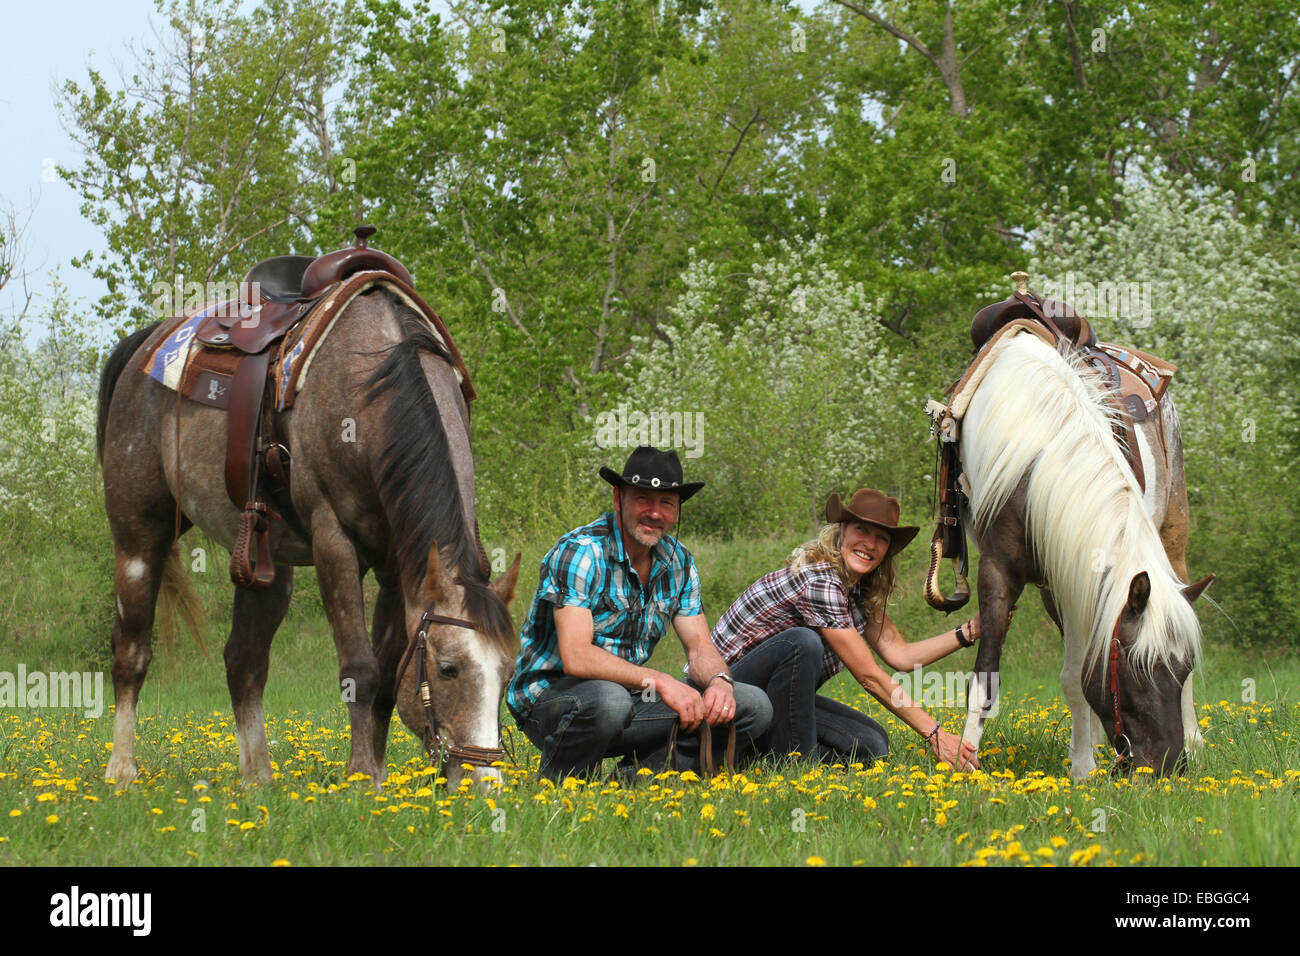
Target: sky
(43, 44)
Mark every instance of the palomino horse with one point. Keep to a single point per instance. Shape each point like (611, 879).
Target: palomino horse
(1055, 504)
(382, 479)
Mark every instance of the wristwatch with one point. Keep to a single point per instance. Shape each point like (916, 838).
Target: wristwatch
(962, 639)
(724, 675)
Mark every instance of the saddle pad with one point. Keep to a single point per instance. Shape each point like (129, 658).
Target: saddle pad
(1154, 372)
(182, 363)
(166, 362)
(964, 390)
(291, 367)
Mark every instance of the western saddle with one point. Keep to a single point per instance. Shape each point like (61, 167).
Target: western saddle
(285, 308)
(1137, 382)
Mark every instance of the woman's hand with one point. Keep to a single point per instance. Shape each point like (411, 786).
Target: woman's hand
(952, 750)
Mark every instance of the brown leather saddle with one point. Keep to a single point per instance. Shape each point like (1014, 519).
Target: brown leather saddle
(1072, 329)
(285, 300)
(1137, 382)
(1059, 317)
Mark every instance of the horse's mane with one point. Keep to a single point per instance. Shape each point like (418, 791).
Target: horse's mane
(417, 482)
(1041, 414)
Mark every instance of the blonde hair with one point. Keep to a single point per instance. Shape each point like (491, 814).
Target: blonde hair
(870, 591)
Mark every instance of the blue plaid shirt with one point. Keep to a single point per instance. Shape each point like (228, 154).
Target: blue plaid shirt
(589, 568)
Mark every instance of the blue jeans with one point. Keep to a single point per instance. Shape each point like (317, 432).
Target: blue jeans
(576, 723)
(788, 667)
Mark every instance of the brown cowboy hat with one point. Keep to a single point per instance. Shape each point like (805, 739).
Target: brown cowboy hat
(875, 508)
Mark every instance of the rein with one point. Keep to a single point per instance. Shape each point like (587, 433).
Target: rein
(435, 742)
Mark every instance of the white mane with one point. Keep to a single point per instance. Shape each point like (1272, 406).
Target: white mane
(1041, 414)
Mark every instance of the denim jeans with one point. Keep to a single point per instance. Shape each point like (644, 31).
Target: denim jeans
(788, 666)
(576, 723)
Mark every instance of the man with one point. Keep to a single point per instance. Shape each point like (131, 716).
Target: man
(607, 590)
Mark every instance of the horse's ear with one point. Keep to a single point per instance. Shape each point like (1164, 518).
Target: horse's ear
(433, 574)
(1193, 591)
(504, 586)
(1139, 591)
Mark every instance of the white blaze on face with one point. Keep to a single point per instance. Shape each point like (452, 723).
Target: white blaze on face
(480, 727)
(484, 729)
(136, 570)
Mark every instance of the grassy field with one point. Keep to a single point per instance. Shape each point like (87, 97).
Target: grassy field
(1235, 807)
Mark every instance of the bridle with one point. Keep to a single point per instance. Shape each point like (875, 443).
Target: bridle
(435, 742)
(1114, 697)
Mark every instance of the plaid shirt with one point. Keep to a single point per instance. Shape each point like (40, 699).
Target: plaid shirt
(589, 568)
(813, 596)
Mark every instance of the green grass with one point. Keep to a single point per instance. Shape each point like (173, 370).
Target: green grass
(1234, 808)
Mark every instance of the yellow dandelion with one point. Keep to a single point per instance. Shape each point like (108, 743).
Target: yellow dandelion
(280, 861)
(815, 861)
(1086, 856)
(52, 818)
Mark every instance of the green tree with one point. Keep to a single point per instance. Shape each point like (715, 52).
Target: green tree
(1214, 294)
(800, 397)
(545, 167)
(212, 154)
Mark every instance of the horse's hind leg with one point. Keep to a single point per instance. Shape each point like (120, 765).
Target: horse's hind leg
(248, 655)
(137, 575)
(389, 639)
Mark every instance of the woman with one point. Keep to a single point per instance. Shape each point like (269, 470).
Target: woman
(795, 628)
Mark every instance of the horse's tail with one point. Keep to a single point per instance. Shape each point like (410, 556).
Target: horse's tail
(178, 602)
(117, 361)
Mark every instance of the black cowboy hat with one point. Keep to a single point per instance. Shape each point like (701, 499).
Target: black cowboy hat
(875, 508)
(654, 470)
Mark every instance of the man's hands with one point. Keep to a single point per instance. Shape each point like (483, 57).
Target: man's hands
(683, 698)
(717, 705)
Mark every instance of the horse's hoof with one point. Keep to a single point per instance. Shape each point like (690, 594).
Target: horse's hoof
(121, 774)
(1194, 742)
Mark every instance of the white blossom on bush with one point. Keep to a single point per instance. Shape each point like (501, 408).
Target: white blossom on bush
(797, 389)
